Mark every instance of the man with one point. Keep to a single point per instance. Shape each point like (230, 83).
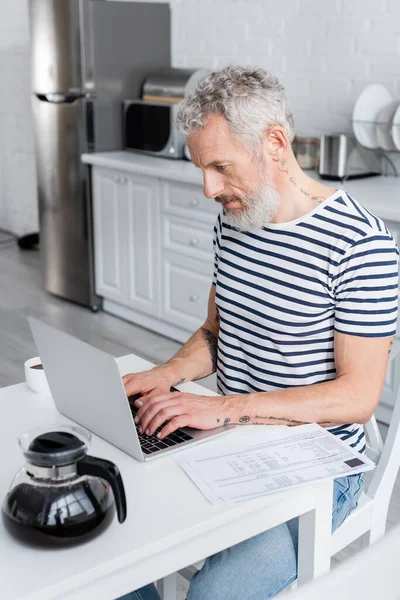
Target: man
(301, 314)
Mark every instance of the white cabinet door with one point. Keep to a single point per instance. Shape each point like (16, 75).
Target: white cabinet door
(143, 243)
(186, 286)
(109, 216)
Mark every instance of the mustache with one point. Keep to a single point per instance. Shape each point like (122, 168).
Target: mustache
(225, 199)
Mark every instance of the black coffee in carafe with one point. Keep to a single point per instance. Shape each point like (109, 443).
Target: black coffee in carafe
(62, 496)
(64, 518)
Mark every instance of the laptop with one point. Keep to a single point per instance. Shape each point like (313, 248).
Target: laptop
(87, 387)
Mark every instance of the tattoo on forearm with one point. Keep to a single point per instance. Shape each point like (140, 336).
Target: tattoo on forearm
(180, 381)
(391, 344)
(304, 192)
(286, 420)
(218, 420)
(319, 198)
(244, 419)
(227, 420)
(293, 181)
(212, 343)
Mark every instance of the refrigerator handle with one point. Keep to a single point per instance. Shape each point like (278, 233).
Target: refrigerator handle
(89, 125)
(57, 98)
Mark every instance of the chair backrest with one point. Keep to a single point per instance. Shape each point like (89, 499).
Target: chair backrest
(374, 439)
(387, 455)
(370, 574)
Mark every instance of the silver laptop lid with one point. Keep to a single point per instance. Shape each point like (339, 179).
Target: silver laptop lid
(86, 386)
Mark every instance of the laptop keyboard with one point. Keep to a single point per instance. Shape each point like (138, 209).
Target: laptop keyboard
(151, 443)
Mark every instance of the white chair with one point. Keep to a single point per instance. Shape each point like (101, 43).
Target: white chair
(368, 520)
(373, 573)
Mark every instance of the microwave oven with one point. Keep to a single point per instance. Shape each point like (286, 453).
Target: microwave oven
(149, 127)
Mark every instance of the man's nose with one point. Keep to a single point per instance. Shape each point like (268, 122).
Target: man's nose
(213, 187)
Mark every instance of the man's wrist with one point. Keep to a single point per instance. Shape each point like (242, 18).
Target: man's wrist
(238, 408)
(172, 372)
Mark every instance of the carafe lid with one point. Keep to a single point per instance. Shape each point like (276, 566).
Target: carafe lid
(53, 446)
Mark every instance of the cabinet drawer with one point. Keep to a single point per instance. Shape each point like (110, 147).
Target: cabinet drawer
(188, 200)
(187, 238)
(186, 288)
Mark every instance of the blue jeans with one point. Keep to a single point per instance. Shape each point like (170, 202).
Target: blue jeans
(263, 565)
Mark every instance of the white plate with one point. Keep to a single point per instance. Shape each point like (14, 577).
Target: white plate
(384, 126)
(371, 100)
(396, 128)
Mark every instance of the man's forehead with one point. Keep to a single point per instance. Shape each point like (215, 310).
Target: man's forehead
(213, 144)
(207, 155)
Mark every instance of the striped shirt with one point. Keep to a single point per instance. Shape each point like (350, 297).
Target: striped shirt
(282, 291)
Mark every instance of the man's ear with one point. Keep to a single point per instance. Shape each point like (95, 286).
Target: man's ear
(276, 141)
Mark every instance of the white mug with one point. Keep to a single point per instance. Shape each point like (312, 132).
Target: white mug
(36, 378)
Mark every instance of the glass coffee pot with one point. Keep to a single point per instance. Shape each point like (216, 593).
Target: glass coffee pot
(62, 496)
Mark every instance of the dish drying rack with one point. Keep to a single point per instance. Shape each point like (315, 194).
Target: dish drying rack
(384, 158)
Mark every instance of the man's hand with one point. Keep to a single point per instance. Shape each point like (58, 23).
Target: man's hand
(147, 382)
(180, 410)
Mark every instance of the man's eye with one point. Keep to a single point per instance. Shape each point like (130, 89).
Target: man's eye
(221, 167)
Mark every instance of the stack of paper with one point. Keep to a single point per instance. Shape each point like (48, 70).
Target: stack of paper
(241, 467)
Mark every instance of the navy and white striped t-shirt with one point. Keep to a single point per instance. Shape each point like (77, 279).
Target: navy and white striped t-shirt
(283, 290)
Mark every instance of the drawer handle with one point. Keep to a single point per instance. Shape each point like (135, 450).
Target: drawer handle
(194, 298)
(194, 242)
(194, 202)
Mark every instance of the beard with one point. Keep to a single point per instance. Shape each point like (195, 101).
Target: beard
(259, 208)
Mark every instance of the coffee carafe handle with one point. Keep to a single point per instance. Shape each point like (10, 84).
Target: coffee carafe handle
(99, 467)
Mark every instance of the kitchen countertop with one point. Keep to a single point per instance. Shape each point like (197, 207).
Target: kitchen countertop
(380, 195)
(165, 168)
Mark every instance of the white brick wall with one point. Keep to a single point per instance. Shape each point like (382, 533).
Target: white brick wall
(324, 51)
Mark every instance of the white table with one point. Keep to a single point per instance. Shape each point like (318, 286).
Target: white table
(170, 524)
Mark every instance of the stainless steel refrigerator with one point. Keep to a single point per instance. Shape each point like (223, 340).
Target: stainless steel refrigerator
(87, 57)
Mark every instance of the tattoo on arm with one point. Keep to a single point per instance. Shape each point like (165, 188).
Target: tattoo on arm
(293, 181)
(304, 192)
(319, 198)
(212, 343)
(227, 420)
(244, 419)
(286, 420)
(180, 381)
(391, 344)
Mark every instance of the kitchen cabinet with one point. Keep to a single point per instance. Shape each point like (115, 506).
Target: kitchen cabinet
(153, 250)
(126, 217)
(153, 232)
(142, 232)
(110, 244)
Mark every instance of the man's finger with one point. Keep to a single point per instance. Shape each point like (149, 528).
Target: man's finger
(173, 424)
(165, 414)
(148, 400)
(148, 412)
(131, 386)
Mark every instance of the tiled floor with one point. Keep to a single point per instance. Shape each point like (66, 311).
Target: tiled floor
(22, 295)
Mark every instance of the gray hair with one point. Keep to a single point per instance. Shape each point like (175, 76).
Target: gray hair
(250, 98)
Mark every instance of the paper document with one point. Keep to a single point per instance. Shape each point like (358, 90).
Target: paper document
(241, 467)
